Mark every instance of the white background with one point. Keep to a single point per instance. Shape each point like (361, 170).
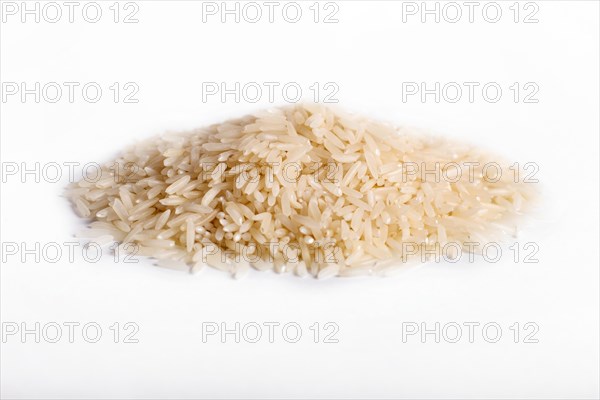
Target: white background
(369, 53)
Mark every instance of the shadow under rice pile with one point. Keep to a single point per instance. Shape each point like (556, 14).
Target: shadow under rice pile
(301, 189)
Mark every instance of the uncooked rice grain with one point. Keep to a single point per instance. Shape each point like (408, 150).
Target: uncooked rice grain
(303, 189)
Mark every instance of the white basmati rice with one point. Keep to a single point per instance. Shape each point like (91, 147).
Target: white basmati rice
(300, 189)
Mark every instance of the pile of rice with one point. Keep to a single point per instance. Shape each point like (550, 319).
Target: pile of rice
(302, 189)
